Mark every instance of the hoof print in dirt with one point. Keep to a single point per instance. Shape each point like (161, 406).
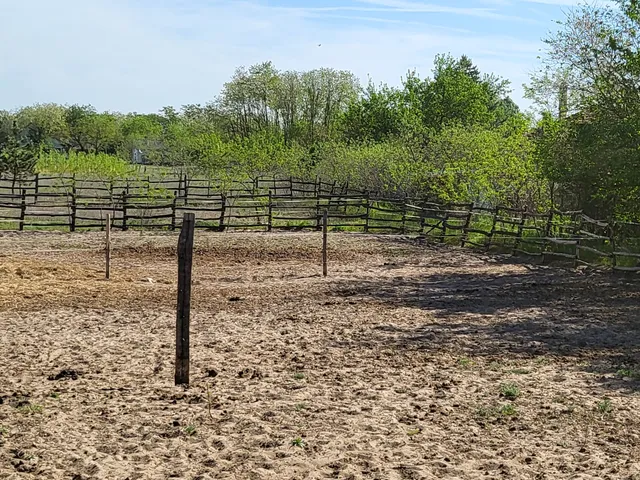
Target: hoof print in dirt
(65, 375)
(250, 373)
(212, 373)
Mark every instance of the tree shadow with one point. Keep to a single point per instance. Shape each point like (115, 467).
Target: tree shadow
(526, 312)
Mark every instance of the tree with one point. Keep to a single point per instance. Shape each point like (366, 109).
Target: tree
(591, 152)
(19, 150)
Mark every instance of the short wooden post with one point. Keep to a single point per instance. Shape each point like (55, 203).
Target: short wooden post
(518, 241)
(107, 251)
(325, 221)
(186, 189)
(124, 211)
(174, 206)
(37, 185)
(465, 228)
(270, 219)
(368, 212)
(23, 209)
(223, 213)
(404, 215)
(72, 222)
(185, 259)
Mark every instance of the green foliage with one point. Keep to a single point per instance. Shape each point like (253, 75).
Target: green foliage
(510, 391)
(588, 143)
(19, 148)
(99, 165)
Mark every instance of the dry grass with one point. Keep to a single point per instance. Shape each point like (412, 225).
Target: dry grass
(395, 367)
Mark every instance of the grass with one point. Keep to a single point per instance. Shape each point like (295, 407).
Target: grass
(300, 406)
(605, 407)
(508, 410)
(628, 373)
(521, 371)
(298, 442)
(190, 430)
(298, 376)
(55, 395)
(510, 391)
(30, 409)
(4, 431)
(465, 362)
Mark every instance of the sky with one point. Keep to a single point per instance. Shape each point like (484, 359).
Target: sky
(140, 55)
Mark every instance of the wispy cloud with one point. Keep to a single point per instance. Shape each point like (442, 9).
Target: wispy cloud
(126, 55)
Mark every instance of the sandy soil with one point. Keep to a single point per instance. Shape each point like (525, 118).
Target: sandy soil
(409, 362)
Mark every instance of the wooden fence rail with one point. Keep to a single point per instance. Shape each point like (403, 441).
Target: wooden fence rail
(289, 204)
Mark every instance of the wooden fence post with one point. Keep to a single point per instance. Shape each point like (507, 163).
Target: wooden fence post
(270, 219)
(107, 270)
(23, 209)
(325, 221)
(37, 185)
(494, 222)
(185, 260)
(612, 239)
(518, 241)
(186, 189)
(124, 211)
(222, 213)
(465, 228)
(174, 205)
(368, 212)
(444, 226)
(72, 223)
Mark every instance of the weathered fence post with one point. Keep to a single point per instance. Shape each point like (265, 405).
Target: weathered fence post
(37, 185)
(185, 259)
(270, 219)
(518, 241)
(465, 228)
(23, 209)
(186, 189)
(174, 206)
(368, 212)
(325, 221)
(124, 211)
(72, 223)
(223, 212)
(107, 270)
(404, 214)
(492, 232)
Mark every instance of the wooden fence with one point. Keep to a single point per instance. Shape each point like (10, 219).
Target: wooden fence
(269, 204)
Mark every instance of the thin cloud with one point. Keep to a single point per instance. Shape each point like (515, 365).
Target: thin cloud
(139, 56)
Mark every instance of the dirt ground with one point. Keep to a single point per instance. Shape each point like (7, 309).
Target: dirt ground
(410, 361)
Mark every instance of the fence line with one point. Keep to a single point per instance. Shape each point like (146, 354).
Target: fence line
(269, 204)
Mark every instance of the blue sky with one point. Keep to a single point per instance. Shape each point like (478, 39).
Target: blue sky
(139, 55)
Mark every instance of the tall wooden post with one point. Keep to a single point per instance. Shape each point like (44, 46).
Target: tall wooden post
(325, 221)
(72, 220)
(270, 219)
(185, 258)
(23, 209)
(37, 188)
(107, 269)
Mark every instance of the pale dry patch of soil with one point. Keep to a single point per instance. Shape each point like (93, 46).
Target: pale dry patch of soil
(391, 368)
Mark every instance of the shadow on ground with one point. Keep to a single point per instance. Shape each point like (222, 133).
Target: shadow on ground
(528, 312)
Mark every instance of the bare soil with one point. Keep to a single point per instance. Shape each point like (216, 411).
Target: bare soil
(410, 361)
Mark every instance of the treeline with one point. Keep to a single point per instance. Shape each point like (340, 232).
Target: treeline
(454, 136)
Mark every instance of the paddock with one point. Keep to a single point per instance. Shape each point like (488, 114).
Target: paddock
(410, 360)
